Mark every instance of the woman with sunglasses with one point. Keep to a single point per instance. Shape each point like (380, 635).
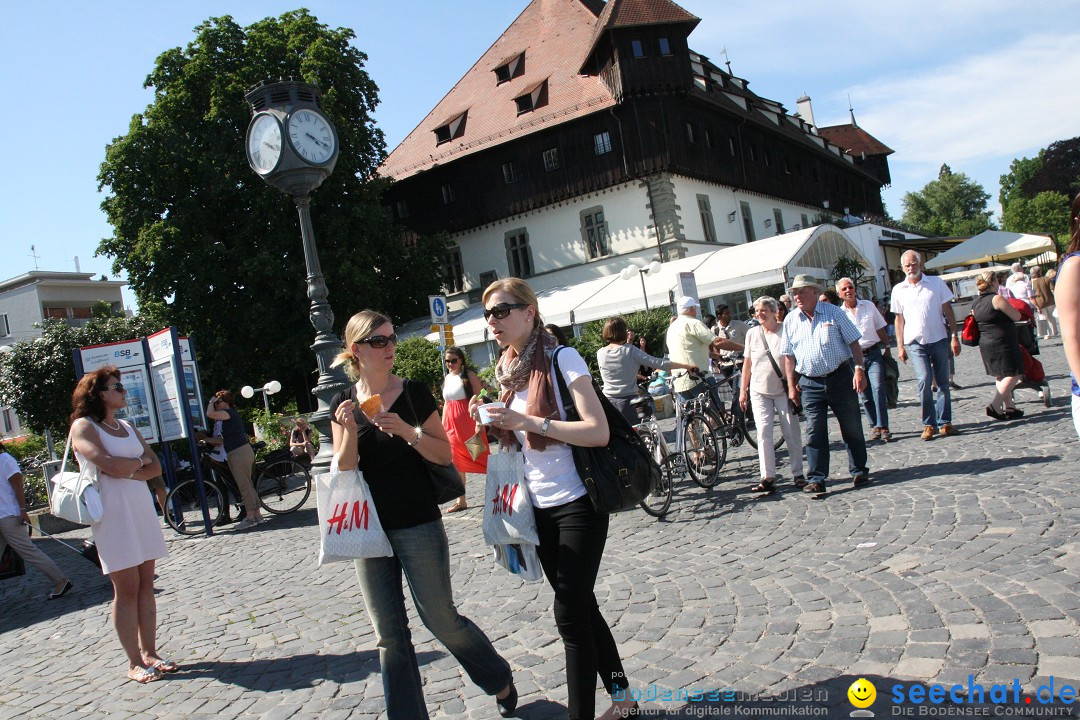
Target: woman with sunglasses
(390, 448)
(128, 538)
(572, 534)
(459, 386)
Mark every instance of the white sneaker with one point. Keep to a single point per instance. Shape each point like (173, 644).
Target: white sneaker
(245, 524)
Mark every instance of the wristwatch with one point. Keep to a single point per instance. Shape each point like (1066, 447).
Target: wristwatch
(419, 436)
(544, 427)
(860, 366)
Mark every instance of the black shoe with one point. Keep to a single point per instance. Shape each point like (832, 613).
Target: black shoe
(1012, 414)
(62, 593)
(227, 519)
(860, 480)
(993, 412)
(508, 704)
(955, 386)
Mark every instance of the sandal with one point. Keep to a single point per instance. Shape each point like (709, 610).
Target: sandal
(814, 487)
(766, 485)
(800, 482)
(143, 675)
(165, 666)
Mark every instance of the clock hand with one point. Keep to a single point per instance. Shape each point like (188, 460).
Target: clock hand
(317, 141)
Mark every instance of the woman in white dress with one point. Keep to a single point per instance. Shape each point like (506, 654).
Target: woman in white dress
(129, 537)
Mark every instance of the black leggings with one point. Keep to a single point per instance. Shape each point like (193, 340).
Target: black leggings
(572, 538)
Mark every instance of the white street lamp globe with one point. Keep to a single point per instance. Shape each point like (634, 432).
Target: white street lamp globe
(247, 391)
(272, 387)
(6, 349)
(654, 266)
(625, 273)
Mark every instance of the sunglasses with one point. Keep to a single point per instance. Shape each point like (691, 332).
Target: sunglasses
(452, 361)
(119, 387)
(501, 310)
(380, 341)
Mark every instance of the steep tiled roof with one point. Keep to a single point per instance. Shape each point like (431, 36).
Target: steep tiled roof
(854, 140)
(555, 36)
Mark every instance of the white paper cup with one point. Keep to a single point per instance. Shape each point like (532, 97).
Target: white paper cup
(482, 410)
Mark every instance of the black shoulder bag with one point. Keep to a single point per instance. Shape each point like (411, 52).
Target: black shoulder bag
(795, 408)
(616, 476)
(446, 481)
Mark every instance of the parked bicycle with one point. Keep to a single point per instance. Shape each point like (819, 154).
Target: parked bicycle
(281, 483)
(725, 411)
(700, 452)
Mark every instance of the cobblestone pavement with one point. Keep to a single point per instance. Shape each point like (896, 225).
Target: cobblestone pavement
(960, 560)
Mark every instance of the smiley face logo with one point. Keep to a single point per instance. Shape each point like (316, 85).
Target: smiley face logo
(862, 693)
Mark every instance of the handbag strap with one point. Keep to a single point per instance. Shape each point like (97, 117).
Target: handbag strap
(775, 366)
(564, 392)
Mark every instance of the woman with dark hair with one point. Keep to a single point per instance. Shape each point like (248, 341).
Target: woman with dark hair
(998, 345)
(557, 333)
(572, 534)
(620, 362)
(1067, 297)
(128, 538)
(239, 453)
(389, 446)
(459, 386)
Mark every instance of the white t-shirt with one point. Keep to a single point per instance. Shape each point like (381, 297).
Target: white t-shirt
(550, 473)
(9, 504)
(867, 319)
(921, 306)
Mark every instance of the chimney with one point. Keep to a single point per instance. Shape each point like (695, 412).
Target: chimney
(77, 264)
(806, 112)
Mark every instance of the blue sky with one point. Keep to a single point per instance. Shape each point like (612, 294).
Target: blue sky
(972, 84)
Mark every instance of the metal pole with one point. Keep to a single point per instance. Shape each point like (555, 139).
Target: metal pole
(266, 401)
(641, 274)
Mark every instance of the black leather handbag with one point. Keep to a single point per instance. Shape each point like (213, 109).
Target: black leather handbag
(445, 479)
(618, 476)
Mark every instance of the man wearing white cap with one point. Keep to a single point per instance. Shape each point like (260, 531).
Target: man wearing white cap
(689, 342)
(824, 365)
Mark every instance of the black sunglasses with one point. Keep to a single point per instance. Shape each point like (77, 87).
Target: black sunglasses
(502, 310)
(116, 386)
(452, 361)
(380, 341)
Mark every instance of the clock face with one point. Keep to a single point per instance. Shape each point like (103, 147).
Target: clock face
(311, 136)
(264, 143)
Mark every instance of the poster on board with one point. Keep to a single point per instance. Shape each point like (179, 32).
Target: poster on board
(193, 385)
(130, 359)
(167, 399)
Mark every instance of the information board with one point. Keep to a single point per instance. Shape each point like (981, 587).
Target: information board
(129, 357)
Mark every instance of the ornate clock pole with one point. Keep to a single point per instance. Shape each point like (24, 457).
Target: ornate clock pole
(293, 146)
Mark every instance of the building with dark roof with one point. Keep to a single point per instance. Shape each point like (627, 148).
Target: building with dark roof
(590, 135)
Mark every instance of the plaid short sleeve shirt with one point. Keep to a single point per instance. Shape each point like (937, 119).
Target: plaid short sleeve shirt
(821, 344)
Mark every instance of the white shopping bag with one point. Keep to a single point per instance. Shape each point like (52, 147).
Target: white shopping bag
(520, 559)
(349, 526)
(508, 512)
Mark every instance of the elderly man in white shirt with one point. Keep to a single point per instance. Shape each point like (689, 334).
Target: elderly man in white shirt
(690, 342)
(875, 346)
(924, 325)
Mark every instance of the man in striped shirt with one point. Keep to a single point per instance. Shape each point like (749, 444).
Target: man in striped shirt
(820, 342)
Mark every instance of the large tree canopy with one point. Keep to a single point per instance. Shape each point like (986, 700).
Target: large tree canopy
(209, 247)
(951, 206)
(1036, 192)
(1059, 171)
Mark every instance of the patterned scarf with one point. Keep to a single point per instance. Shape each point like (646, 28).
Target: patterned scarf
(531, 369)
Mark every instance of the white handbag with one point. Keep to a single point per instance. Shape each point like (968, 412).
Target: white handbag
(508, 511)
(76, 496)
(349, 526)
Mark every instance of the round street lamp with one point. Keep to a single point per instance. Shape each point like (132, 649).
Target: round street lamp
(269, 388)
(631, 270)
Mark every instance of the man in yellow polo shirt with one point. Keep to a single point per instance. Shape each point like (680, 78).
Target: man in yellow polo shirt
(689, 341)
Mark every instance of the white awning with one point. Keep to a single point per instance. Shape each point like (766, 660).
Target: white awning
(992, 246)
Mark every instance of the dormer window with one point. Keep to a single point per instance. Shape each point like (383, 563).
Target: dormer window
(510, 68)
(534, 98)
(665, 46)
(638, 48)
(451, 129)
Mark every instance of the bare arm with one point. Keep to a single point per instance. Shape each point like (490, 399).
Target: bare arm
(899, 325)
(85, 439)
(744, 385)
(344, 435)
(1067, 298)
(1006, 307)
(433, 445)
(792, 379)
(16, 481)
(591, 431)
(950, 320)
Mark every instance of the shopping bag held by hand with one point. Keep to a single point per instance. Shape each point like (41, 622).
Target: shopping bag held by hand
(508, 512)
(349, 526)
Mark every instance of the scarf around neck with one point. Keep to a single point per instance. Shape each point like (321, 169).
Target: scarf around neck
(531, 369)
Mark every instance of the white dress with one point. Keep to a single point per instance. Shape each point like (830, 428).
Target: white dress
(129, 533)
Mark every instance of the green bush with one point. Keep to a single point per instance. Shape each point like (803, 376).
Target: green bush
(420, 360)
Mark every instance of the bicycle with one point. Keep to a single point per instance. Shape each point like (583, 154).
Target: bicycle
(281, 483)
(737, 423)
(698, 454)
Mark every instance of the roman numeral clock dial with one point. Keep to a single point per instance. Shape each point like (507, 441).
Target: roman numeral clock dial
(311, 136)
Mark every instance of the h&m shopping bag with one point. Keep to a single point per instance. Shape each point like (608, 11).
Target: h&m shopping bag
(349, 527)
(520, 559)
(508, 512)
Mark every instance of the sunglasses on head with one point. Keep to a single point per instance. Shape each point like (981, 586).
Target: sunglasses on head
(119, 387)
(379, 341)
(501, 310)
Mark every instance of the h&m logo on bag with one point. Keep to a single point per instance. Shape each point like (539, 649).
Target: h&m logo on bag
(503, 502)
(341, 519)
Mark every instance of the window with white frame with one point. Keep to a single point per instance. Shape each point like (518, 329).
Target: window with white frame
(707, 224)
(602, 142)
(453, 270)
(594, 231)
(551, 159)
(518, 254)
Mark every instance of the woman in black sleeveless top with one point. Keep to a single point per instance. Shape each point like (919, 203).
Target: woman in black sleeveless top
(998, 345)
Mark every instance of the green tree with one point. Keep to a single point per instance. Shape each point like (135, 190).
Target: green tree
(652, 324)
(38, 376)
(1047, 212)
(1060, 170)
(952, 205)
(419, 359)
(210, 247)
(1020, 171)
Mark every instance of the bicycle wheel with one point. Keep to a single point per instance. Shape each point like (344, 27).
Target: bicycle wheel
(658, 502)
(283, 486)
(183, 511)
(748, 427)
(704, 449)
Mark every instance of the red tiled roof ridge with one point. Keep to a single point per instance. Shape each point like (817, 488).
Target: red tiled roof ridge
(853, 140)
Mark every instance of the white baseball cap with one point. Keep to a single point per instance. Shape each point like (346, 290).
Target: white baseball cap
(686, 302)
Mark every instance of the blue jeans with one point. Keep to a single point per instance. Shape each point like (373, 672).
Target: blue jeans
(927, 359)
(421, 552)
(833, 391)
(874, 401)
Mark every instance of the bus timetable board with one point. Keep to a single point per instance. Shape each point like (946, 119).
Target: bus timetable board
(129, 357)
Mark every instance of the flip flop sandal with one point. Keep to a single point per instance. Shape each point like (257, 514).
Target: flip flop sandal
(166, 666)
(763, 487)
(143, 675)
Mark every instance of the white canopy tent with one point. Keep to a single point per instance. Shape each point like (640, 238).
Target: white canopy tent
(992, 246)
